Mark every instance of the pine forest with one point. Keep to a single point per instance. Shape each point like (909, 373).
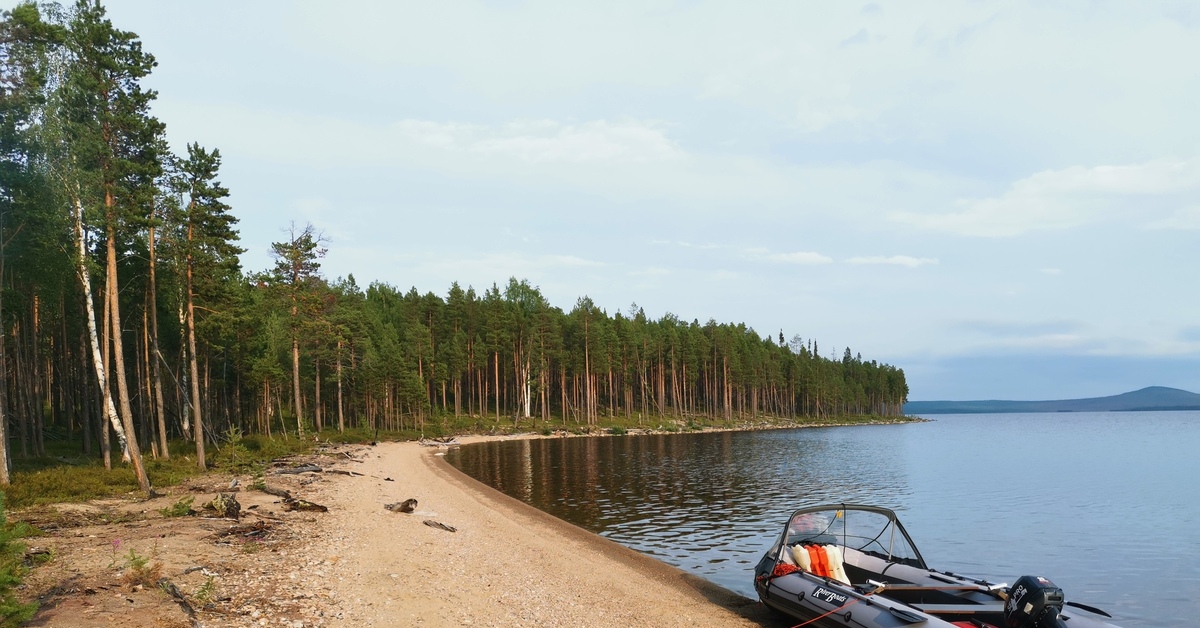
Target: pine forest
(128, 322)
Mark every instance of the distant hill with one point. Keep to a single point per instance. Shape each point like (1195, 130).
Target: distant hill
(1152, 398)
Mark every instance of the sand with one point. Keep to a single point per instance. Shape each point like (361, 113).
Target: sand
(507, 564)
(359, 564)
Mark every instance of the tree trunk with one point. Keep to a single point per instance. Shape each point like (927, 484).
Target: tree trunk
(317, 397)
(296, 380)
(131, 443)
(109, 409)
(193, 361)
(152, 306)
(341, 418)
(4, 459)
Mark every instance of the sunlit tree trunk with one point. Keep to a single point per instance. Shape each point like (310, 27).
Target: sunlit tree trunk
(108, 407)
(131, 443)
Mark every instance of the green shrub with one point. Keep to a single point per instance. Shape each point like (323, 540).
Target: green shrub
(181, 508)
(12, 570)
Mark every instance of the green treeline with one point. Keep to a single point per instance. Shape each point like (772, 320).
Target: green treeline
(128, 321)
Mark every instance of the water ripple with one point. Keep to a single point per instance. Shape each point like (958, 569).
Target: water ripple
(1098, 502)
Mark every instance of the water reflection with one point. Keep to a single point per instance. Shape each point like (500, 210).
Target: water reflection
(702, 502)
(1103, 504)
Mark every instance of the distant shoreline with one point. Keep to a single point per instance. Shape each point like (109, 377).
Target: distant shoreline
(1151, 399)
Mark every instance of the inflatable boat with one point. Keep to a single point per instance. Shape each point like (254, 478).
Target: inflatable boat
(854, 565)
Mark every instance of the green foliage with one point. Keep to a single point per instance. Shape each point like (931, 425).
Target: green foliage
(617, 431)
(12, 569)
(181, 508)
(207, 591)
(137, 569)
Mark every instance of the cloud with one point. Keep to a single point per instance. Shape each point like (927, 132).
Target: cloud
(895, 260)
(1067, 198)
(1186, 219)
(1018, 329)
(547, 140)
(800, 257)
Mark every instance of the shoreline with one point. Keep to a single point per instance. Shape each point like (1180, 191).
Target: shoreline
(507, 564)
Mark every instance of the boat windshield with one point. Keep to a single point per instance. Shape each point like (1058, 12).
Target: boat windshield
(875, 531)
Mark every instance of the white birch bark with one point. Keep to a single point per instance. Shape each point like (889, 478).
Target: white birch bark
(110, 408)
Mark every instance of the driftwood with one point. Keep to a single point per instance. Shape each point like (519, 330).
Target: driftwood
(169, 587)
(439, 442)
(439, 525)
(259, 514)
(278, 492)
(304, 468)
(407, 505)
(344, 472)
(301, 504)
(258, 528)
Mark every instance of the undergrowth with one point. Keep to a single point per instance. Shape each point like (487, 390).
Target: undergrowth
(12, 569)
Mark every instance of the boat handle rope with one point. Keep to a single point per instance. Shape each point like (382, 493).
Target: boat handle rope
(827, 614)
(842, 607)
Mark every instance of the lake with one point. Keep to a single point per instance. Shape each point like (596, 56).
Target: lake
(1103, 504)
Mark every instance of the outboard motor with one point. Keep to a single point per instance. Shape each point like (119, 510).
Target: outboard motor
(1034, 602)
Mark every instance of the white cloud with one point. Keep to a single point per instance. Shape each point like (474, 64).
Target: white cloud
(801, 257)
(896, 260)
(547, 140)
(1071, 197)
(1186, 219)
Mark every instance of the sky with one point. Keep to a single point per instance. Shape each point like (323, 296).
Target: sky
(1000, 198)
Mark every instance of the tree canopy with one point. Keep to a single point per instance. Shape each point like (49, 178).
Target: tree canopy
(124, 310)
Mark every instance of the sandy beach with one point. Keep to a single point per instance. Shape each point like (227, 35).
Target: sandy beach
(507, 564)
(358, 563)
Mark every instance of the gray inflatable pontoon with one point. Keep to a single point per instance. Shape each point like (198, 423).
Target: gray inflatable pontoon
(840, 565)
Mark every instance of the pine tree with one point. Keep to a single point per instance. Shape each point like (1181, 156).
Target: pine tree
(206, 245)
(296, 272)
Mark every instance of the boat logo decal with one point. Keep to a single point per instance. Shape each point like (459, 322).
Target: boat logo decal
(829, 597)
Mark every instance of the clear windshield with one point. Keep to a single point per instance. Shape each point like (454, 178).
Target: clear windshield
(874, 531)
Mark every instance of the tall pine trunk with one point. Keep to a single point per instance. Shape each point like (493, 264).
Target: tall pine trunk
(131, 443)
(194, 366)
(152, 307)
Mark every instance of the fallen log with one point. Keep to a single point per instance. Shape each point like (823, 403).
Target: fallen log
(304, 468)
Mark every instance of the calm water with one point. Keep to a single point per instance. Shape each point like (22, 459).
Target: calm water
(1104, 504)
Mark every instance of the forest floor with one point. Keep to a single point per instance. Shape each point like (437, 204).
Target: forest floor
(496, 561)
(109, 556)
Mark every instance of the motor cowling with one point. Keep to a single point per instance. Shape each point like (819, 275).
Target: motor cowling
(1034, 602)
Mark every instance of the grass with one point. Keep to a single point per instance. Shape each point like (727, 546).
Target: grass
(12, 569)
